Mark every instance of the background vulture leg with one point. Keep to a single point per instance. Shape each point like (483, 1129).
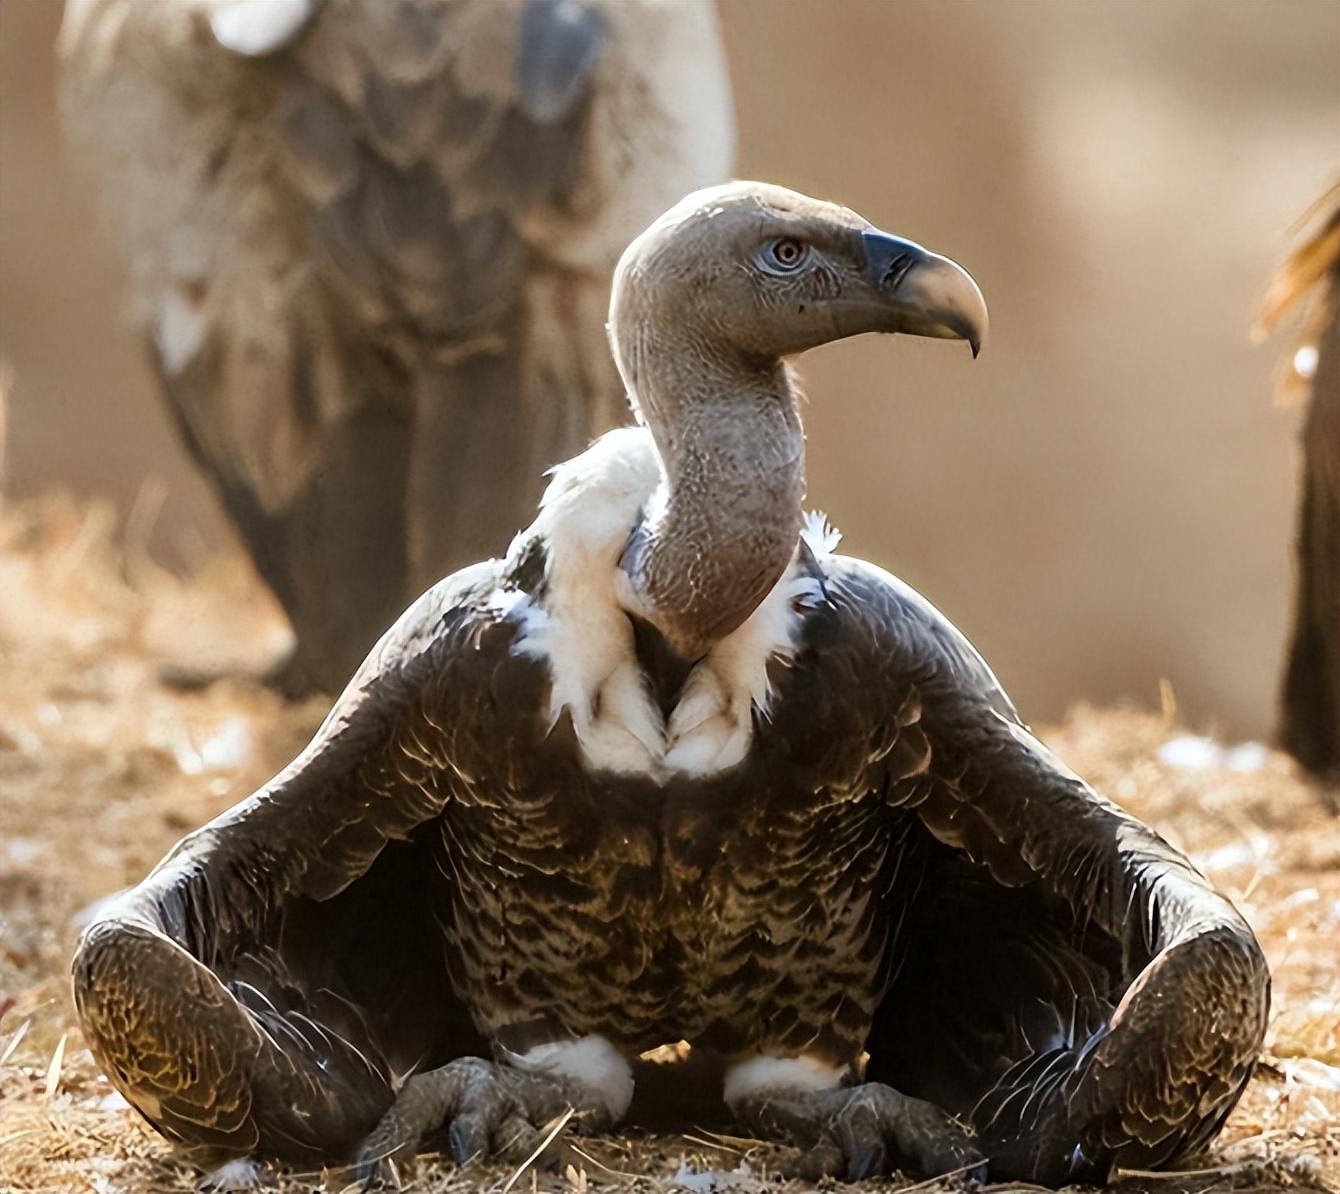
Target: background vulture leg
(486, 429)
(284, 674)
(486, 1108)
(861, 1131)
(335, 550)
(467, 500)
(337, 556)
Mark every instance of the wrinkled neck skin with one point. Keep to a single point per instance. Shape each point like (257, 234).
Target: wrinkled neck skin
(722, 528)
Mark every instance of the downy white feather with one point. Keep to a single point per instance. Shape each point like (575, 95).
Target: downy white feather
(583, 633)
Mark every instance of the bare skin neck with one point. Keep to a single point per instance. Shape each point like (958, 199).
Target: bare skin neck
(723, 526)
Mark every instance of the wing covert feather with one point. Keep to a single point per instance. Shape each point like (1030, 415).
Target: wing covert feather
(1126, 928)
(237, 996)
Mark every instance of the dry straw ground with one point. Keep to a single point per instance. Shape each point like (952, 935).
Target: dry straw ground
(102, 768)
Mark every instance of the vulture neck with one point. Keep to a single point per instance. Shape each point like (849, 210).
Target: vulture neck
(721, 529)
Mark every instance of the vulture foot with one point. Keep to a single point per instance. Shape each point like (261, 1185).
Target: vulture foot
(487, 1108)
(863, 1131)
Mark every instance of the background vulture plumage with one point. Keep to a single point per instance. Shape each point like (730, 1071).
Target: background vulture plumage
(1310, 695)
(370, 241)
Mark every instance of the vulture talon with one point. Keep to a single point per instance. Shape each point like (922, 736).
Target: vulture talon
(489, 1110)
(515, 1139)
(824, 1160)
(863, 1131)
(866, 1161)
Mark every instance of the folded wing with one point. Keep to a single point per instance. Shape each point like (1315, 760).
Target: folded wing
(263, 989)
(1062, 977)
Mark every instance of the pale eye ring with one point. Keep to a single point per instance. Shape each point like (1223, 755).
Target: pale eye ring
(783, 255)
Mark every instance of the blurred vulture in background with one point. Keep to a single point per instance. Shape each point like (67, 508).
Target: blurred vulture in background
(1310, 712)
(370, 242)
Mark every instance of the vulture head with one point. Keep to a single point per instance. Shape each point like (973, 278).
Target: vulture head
(760, 272)
(706, 304)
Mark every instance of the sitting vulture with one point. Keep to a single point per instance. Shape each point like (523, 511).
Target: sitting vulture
(670, 771)
(371, 242)
(1310, 696)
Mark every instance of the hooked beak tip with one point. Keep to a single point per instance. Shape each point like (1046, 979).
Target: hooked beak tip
(927, 295)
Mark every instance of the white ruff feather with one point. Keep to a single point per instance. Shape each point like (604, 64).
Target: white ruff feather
(583, 632)
(591, 1063)
(776, 1075)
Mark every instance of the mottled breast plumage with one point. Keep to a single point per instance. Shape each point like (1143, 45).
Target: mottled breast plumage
(648, 908)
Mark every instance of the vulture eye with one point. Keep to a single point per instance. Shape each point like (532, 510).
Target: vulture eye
(782, 256)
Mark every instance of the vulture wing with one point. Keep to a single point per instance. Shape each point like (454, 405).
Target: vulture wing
(1072, 986)
(264, 987)
(372, 240)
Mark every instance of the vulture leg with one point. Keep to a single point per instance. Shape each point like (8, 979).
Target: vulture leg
(487, 1108)
(334, 547)
(337, 555)
(860, 1132)
(473, 483)
(488, 426)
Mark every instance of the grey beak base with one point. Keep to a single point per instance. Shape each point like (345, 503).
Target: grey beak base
(889, 257)
(929, 295)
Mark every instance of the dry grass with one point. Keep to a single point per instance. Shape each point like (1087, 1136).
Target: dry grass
(102, 768)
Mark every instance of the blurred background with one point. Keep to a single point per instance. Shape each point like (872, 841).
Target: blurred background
(1101, 502)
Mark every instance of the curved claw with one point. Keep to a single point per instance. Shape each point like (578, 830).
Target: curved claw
(878, 1123)
(868, 1130)
(929, 1142)
(488, 1110)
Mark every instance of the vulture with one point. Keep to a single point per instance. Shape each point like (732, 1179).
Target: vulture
(1310, 694)
(370, 246)
(672, 770)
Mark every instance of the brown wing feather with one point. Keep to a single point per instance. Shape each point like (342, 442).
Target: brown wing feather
(249, 995)
(1077, 987)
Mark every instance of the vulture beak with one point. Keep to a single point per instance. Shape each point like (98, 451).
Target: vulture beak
(928, 295)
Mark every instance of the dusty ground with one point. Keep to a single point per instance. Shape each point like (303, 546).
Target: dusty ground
(102, 768)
